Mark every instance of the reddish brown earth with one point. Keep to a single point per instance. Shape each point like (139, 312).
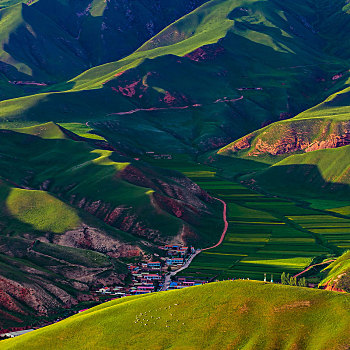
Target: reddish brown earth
(206, 53)
(293, 137)
(38, 279)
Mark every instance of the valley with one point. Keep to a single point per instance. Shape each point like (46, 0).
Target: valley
(148, 147)
(266, 234)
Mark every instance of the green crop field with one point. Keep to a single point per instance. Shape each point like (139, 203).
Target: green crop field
(263, 235)
(226, 315)
(97, 100)
(333, 229)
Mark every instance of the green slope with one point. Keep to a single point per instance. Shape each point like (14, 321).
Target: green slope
(338, 274)
(104, 184)
(245, 63)
(320, 174)
(323, 126)
(62, 194)
(226, 315)
(51, 42)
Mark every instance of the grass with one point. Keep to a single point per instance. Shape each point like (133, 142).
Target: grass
(47, 130)
(67, 34)
(293, 61)
(260, 239)
(88, 173)
(320, 178)
(237, 314)
(41, 211)
(337, 274)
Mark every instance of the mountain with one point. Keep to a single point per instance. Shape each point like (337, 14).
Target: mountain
(218, 88)
(71, 215)
(236, 315)
(47, 42)
(108, 107)
(321, 127)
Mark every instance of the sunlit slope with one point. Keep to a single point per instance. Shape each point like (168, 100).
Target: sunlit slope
(318, 174)
(220, 72)
(120, 191)
(324, 126)
(232, 315)
(46, 43)
(337, 274)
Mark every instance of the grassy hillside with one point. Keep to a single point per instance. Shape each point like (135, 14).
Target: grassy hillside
(104, 184)
(83, 174)
(318, 174)
(338, 274)
(50, 42)
(61, 197)
(254, 55)
(239, 315)
(323, 126)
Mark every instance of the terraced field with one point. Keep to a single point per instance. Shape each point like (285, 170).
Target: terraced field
(334, 230)
(265, 235)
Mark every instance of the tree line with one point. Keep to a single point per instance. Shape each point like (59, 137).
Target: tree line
(289, 280)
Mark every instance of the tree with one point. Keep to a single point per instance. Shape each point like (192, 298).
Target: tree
(284, 279)
(302, 282)
(293, 281)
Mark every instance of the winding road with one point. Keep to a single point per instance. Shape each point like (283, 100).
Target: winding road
(225, 227)
(310, 267)
(167, 280)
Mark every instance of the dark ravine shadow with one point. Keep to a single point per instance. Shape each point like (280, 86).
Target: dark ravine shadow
(69, 39)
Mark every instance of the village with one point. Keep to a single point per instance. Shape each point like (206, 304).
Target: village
(150, 276)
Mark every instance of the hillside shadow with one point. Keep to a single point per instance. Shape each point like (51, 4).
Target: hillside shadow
(299, 180)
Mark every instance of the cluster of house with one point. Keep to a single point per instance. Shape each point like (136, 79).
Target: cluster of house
(177, 254)
(179, 250)
(148, 277)
(184, 282)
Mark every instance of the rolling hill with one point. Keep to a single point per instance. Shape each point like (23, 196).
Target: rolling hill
(318, 174)
(226, 315)
(218, 89)
(103, 103)
(68, 222)
(323, 126)
(45, 42)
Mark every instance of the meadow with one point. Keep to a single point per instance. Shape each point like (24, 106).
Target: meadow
(226, 315)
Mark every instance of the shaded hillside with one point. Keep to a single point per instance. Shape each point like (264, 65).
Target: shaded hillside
(232, 315)
(318, 174)
(235, 66)
(106, 184)
(50, 41)
(70, 213)
(324, 126)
